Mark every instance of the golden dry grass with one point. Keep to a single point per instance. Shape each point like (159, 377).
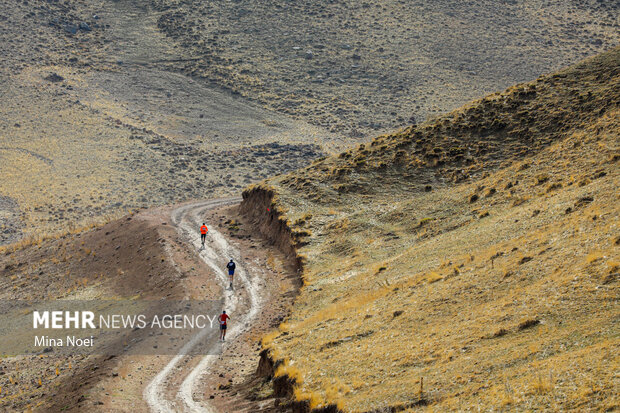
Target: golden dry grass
(493, 304)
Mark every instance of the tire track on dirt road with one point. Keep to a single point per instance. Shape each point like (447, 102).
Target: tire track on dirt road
(187, 218)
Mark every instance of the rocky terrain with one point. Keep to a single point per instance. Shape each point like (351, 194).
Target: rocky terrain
(93, 124)
(466, 262)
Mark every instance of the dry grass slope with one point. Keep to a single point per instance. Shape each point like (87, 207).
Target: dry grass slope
(468, 263)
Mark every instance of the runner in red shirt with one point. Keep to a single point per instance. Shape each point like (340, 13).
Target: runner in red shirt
(223, 319)
(203, 233)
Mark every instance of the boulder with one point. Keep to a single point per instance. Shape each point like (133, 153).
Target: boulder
(71, 28)
(54, 77)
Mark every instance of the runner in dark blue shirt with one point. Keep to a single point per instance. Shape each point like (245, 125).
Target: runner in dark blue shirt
(231, 271)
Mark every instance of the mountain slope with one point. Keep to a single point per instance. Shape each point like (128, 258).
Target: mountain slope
(151, 102)
(93, 123)
(469, 262)
(358, 68)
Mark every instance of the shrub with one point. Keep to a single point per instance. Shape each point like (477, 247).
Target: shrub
(425, 221)
(529, 323)
(432, 277)
(593, 257)
(541, 179)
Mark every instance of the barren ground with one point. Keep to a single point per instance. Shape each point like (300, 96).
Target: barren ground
(468, 263)
(141, 256)
(109, 106)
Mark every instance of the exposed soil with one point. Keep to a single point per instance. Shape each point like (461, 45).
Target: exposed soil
(110, 106)
(143, 256)
(117, 105)
(120, 259)
(232, 383)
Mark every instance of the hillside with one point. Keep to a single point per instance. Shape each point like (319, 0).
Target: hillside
(119, 260)
(93, 122)
(114, 105)
(362, 68)
(470, 262)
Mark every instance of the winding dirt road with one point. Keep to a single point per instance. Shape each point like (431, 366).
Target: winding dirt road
(187, 218)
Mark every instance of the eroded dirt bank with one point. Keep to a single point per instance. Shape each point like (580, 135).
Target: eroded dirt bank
(273, 391)
(230, 382)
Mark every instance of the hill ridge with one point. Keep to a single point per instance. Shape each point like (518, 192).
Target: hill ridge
(487, 289)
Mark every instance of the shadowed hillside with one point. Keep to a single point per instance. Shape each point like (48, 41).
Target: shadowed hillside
(467, 263)
(359, 68)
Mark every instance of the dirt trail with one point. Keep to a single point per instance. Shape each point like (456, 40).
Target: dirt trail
(187, 218)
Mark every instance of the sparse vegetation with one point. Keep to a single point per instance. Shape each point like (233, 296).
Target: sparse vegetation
(432, 277)
(514, 289)
(327, 69)
(394, 313)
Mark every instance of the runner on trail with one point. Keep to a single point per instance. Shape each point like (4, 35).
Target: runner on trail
(223, 319)
(231, 271)
(203, 233)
